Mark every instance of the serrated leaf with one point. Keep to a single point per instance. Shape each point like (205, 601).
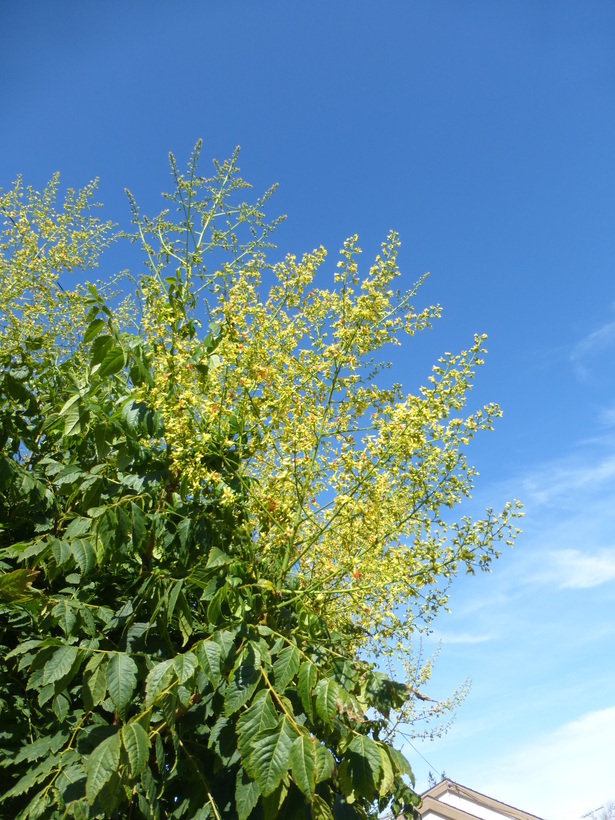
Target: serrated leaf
(100, 765)
(61, 551)
(303, 764)
(286, 666)
(209, 656)
(387, 778)
(136, 742)
(99, 348)
(247, 793)
(139, 525)
(270, 754)
(121, 680)
(400, 763)
(244, 680)
(94, 688)
(325, 764)
(92, 330)
(60, 663)
(65, 615)
(260, 715)
(75, 418)
(113, 361)
(364, 766)
(306, 681)
(320, 809)
(158, 680)
(177, 587)
(327, 697)
(14, 585)
(184, 666)
(84, 554)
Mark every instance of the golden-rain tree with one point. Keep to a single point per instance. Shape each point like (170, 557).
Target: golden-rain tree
(215, 515)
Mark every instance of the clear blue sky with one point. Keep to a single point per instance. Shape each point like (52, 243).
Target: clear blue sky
(484, 132)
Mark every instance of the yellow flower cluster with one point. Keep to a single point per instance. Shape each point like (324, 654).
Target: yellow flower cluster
(346, 485)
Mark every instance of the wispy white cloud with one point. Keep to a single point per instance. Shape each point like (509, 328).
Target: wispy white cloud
(573, 569)
(607, 416)
(559, 479)
(598, 341)
(461, 637)
(561, 775)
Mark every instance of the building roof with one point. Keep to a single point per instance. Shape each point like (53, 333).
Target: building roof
(452, 801)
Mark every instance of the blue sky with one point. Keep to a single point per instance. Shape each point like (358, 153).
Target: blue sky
(483, 132)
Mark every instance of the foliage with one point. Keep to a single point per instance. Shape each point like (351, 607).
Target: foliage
(204, 534)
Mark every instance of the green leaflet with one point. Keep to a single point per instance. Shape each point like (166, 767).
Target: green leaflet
(65, 615)
(247, 793)
(136, 743)
(184, 666)
(84, 554)
(306, 682)
(401, 764)
(303, 763)
(100, 765)
(286, 666)
(362, 767)
(94, 688)
(244, 680)
(387, 779)
(325, 764)
(270, 757)
(209, 656)
(321, 810)
(14, 585)
(327, 698)
(121, 680)
(60, 663)
(158, 680)
(260, 715)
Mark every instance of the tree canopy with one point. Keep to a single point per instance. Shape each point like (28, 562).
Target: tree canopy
(216, 514)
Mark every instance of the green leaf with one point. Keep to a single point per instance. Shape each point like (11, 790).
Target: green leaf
(320, 809)
(100, 765)
(136, 742)
(217, 558)
(65, 615)
(14, 585)
(306, 681)
(247, 793)
(270, 754)
(388, 775)
(121, 680)
(363, 766)
(75, 418)
(158, 680)
(209, 656)
(244, 681)
(93, 330)
(177, 587)
(84, 555)
(260, 715)
(327, 698)
(401, 764)
(139, 526)
(61, 551)
(99, 348)
(286, 666)
(184, 666)
(94, 688)
(303, 764)
(112, 362)
(60, 663)
(325, 764)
